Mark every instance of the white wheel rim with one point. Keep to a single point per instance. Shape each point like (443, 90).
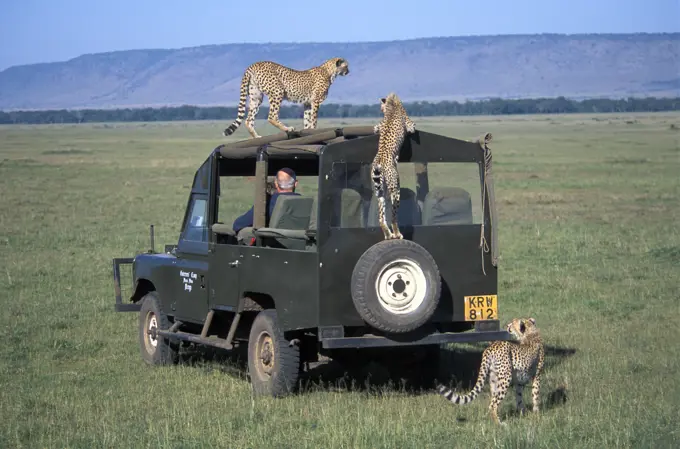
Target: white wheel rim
(152, 324)
(401, 286)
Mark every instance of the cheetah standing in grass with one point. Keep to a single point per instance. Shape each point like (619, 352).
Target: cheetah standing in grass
(309, 87)
(392, 131)
(506, 363)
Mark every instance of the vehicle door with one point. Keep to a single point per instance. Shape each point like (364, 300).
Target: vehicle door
(190, 272)
(225, 260)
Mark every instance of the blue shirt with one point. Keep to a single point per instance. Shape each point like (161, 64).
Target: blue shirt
(246, 219)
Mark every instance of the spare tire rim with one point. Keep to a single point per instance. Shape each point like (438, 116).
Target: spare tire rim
(401, 286)
(151, 326)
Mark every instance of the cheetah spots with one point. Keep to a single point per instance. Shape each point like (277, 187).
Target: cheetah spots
(506, 363)
(280, 83)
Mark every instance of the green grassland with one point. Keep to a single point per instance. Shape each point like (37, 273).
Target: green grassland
(590, 247)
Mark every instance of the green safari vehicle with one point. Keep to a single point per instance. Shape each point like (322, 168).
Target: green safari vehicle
(317, 278)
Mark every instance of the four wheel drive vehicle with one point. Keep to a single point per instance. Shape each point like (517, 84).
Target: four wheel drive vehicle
(318, 278)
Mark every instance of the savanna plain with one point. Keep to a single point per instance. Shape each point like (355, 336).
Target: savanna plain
(590, 246)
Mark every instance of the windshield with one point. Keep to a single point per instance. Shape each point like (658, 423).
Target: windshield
(432, 194)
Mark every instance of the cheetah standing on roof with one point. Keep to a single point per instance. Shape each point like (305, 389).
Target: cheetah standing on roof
(508, 362)
(392, 130)
(278, 83)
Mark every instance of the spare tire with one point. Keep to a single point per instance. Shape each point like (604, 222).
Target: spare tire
(396, 286)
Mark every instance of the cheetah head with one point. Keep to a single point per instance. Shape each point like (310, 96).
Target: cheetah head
(520, 328)
(337, 67)
(388, 103)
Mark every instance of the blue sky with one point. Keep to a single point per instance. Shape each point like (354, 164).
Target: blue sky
(48, 30)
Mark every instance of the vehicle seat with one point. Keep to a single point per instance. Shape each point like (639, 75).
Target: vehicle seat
(409, 211)
(312, 216)
(290, 213)
(349, 209)
(310, 244)
(447, 205)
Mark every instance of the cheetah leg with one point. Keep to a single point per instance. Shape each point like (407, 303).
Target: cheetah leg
(382, 219)
(377, 128)
(307, 121)
(535, 392)
(493, 381)
(392, 178)
(379, 191)
(313, 115)
(410, 126)
(275, 100)
(519, 389)
(253, 108)
(498, 394)
(536, 382)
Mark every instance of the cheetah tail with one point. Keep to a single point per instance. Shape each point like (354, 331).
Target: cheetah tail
(245, 82)
(467, 398)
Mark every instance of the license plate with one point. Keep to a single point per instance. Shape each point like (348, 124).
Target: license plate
(483, 307)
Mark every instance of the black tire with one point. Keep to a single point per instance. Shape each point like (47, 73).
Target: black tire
(158, 351)
(274, 366)
(368, 270)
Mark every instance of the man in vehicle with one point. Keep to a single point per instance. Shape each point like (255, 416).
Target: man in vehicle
(285, 184)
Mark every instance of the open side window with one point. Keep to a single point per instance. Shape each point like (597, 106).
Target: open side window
(196, 228)
(194, 237)
(432, 194)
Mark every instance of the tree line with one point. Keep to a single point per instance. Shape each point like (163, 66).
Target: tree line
(494, 106)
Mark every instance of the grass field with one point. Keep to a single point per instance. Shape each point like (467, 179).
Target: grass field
(590, 246)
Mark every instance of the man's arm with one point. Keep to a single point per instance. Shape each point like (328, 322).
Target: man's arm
(244, 220)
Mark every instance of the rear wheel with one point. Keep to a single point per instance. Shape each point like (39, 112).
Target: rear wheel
(155, 350)
(273, 365)
(396, 286)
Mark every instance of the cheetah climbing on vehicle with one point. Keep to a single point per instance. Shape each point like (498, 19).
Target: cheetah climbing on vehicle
(506, 363)
(309, 87)
(392, 131)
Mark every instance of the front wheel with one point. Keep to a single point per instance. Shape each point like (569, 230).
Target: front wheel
(155, 350)
(273, 365)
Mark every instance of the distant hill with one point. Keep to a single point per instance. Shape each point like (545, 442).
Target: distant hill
(432, 69)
